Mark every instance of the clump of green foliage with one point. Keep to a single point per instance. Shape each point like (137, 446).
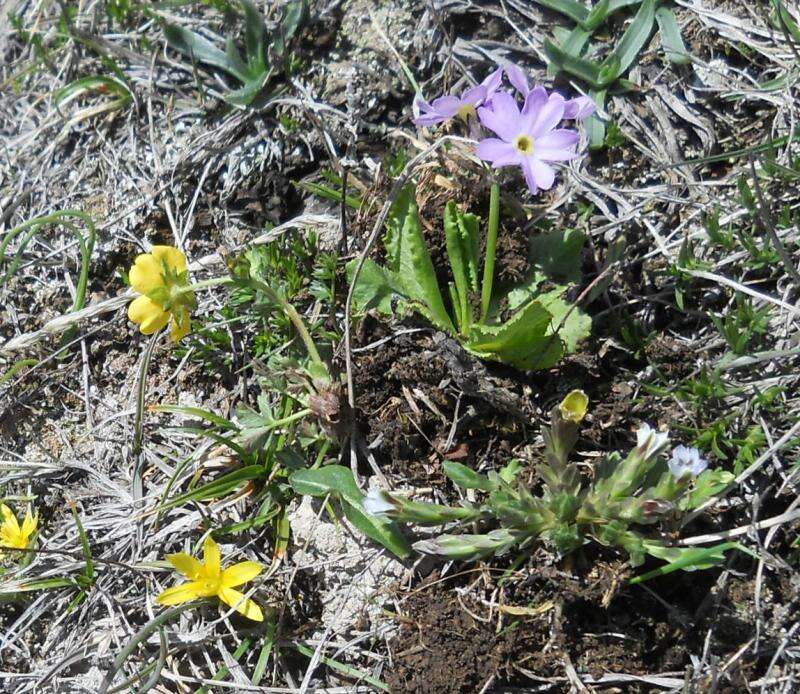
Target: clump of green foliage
(613, 508)
(572, 52)
(265, 56)
(530, 327)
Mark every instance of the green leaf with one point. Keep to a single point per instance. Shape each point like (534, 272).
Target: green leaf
(466, 477)
(594, 125)
(671, 39)
(587, 70)
(522, 340)
(411, 261)
(376, 287)
(467, 547)
(253, 34)
(197, 412)
(219, 487)
(461, 234)
(597, 15)
(95, 83)
(330, 479)
(571, 8)
(577, 326)
(686, 558)
(708, 484)
(377, 528)
(632, 41)
(198, 48)
(558, 254)
(293, 15)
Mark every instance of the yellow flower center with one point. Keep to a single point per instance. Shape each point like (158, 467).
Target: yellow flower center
(524, 143)
(466, 111)
(209, 587)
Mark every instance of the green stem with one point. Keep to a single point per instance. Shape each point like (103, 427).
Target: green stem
(491, 250)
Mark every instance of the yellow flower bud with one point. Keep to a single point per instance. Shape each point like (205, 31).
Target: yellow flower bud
(573, 407)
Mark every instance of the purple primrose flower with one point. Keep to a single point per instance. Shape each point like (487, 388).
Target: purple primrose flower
(446, 107)
(528, 138)
(578, 108)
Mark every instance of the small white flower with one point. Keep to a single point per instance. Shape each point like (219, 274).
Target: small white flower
(651, 442)
(686, 462)
(377, 502)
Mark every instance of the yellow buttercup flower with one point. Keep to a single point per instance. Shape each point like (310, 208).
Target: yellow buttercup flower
(11, 534)
(573, 407)
(208, 579)
(161, 278)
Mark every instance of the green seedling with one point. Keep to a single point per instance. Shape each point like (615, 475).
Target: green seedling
(265, 56)
(541, 326)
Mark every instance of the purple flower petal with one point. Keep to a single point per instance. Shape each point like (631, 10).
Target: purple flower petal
(534, 103)
(430, 118)
(474, 95)
(549, 116)
(517, 78)
(503, 118)
(557, 145)
(492, 82)
(579, 108)
(498, 152)
(420, 104)
(542, 174)
(446, 106)
(530, 179)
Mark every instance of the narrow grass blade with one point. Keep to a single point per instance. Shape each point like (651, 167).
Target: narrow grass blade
(671, 39)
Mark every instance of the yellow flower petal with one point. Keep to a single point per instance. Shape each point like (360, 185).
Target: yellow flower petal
(241, 604)
(240, 573)
(29, 524)
(186, 564)
(174, 259)
(180, 593)
(211, 557)
(9, 519)
(181, 325)
(145, 275)
(148, 314)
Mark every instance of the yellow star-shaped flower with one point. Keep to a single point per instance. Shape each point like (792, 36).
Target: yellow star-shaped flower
(161, 278)
(209, 579)
(11, 534)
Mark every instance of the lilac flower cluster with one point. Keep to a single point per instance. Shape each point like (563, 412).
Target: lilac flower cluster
(526, 137)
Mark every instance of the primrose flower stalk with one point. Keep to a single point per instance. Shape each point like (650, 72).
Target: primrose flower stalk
(209, 579)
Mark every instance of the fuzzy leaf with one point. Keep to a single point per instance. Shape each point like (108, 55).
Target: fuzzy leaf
(523, 340)
(558, 254)
(377, 528)
(686, 558)
(587, 70)
(576, 327)
(708, 484)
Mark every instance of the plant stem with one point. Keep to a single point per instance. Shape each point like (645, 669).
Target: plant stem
(491, 249)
